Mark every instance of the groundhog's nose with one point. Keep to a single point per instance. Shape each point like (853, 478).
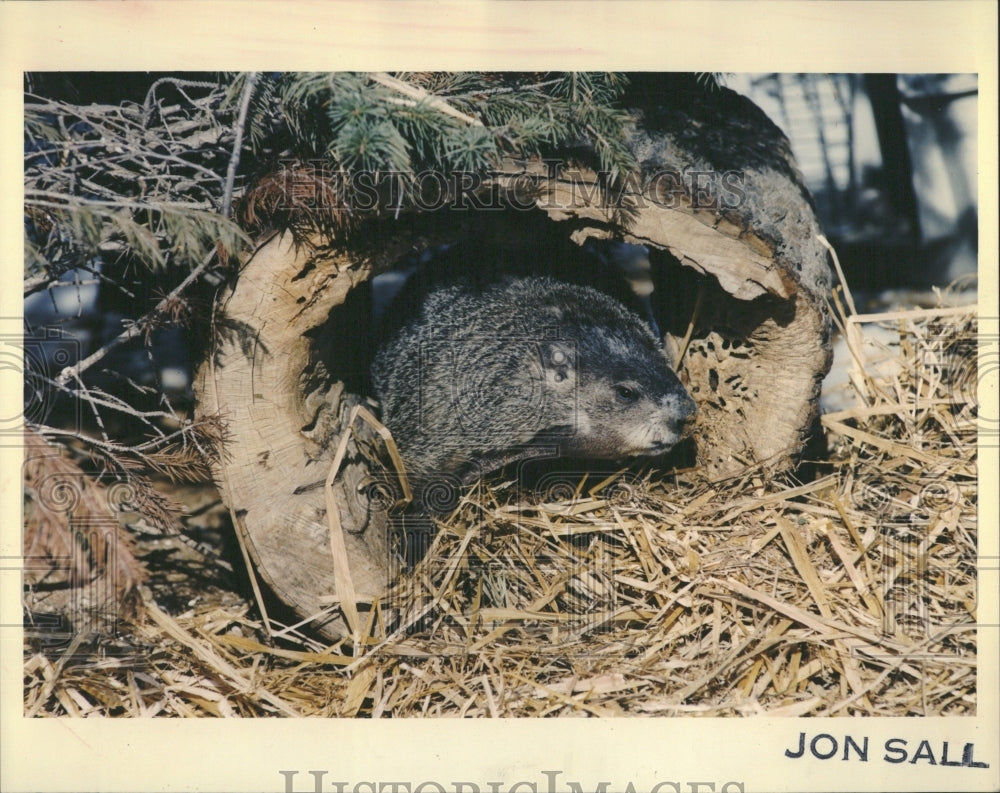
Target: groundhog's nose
(686, 411)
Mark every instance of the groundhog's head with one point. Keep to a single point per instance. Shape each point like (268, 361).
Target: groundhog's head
(620, 396)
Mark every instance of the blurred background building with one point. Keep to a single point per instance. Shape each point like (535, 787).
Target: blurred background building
(891, 160)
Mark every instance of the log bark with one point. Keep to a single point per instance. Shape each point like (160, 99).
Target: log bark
(720, 194)
(756, 361)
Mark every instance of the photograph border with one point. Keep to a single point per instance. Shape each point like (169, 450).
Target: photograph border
(503, 755)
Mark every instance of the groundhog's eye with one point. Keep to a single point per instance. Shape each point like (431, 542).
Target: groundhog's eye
(626, 394)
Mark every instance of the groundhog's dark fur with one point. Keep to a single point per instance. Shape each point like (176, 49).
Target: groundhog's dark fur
(483, 374)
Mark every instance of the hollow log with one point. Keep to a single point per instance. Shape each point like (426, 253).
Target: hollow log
(741, 279)
(719, 192)
(284, 416)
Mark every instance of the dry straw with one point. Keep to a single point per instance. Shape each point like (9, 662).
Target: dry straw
(646, 594)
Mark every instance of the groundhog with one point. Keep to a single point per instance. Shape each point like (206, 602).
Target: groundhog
(481, 375)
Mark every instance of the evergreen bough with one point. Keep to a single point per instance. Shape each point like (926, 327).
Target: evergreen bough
(138, 195)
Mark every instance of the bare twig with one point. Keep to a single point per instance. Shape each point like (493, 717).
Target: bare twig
(134, 330)
(101, 398)
(840, 273)
(147, 105)
(37, 283)
(420, 95)
(234, 159)
(62, 201)
(140, 450)
(504, 89)
(682, 351)
(93, 408)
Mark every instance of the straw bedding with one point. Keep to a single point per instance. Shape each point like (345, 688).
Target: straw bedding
(646, 594)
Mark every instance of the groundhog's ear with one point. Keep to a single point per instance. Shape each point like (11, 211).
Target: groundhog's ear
(559, 360)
